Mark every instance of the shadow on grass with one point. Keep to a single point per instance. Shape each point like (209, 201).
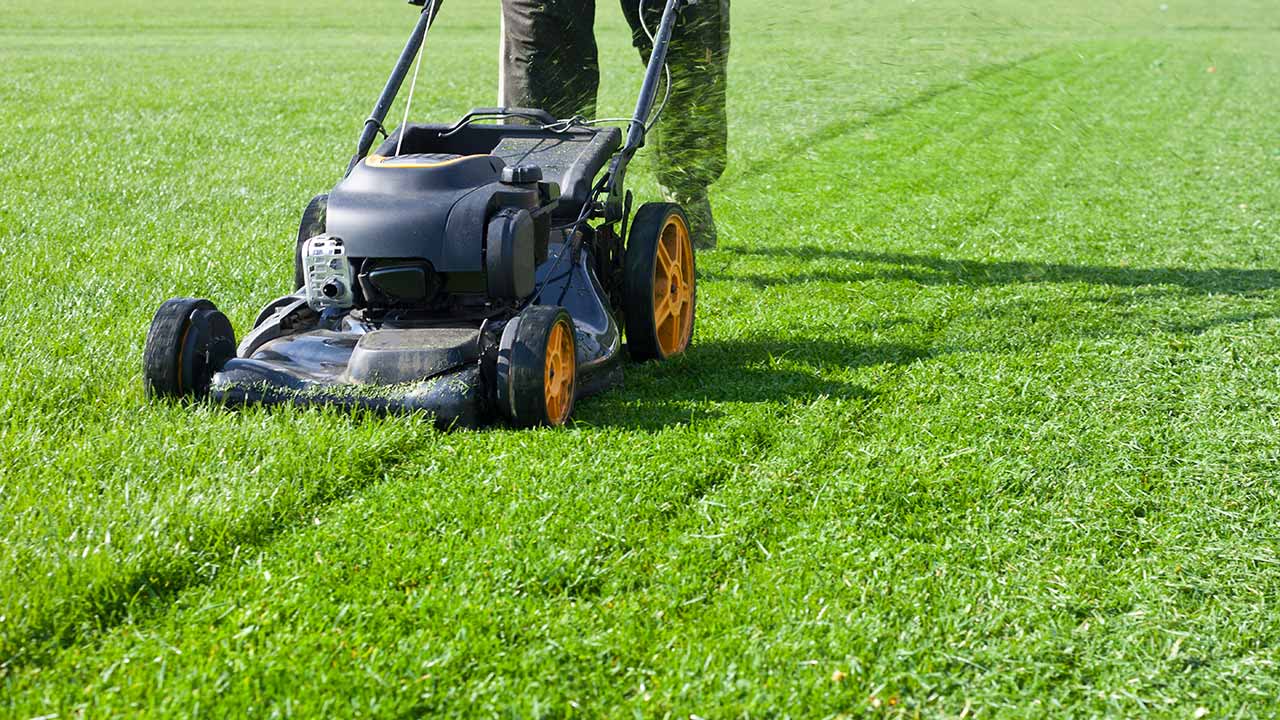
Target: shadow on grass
(935, 270)
(764, 370)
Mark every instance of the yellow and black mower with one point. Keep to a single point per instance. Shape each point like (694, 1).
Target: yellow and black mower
(479, 270)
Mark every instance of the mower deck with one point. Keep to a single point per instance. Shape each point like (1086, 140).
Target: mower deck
(446, 371)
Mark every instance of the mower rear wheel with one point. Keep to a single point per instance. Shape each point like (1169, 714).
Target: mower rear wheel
(660, 292)
(189, 339)
(537, 367)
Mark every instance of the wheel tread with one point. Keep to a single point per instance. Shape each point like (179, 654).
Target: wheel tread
(162, 354)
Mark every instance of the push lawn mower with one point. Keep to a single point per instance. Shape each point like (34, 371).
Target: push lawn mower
(473, 271)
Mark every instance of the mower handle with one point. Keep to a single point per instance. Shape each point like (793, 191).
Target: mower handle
(373, 125)
(612, 183)
(541, 116)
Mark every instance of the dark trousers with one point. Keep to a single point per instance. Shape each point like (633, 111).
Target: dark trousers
(550, 61)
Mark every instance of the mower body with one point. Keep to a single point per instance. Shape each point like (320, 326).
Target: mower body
(446, 242)
(474, 271)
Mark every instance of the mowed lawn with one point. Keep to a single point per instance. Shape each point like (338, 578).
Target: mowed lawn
(980, 420)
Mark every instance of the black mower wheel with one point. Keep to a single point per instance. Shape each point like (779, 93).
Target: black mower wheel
(313, 224)
(269, 310)
(537, 367)
(659, 284)
(189, 339)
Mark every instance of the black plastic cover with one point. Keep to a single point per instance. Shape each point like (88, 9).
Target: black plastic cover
(434, 212)
(510, 252)
(571, 158)
(400, 284)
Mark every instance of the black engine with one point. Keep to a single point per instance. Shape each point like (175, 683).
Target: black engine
(422, 232)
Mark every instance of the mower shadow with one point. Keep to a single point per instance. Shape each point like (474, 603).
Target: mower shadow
(685, 389)
(935, 270)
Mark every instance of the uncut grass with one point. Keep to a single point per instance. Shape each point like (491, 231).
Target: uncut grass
(177, 165)
(981, 412)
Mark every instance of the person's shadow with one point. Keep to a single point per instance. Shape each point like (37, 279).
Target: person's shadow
(833, 266)
(935, 270)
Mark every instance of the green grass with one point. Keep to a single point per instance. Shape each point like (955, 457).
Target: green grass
(981, 418)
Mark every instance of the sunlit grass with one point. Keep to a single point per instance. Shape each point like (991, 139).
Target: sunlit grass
(981, 412)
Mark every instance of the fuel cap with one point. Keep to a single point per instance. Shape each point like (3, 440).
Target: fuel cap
(521, 174)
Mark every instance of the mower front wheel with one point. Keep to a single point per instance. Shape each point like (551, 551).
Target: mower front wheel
(659, 294)
(189, 339)
(537, 367)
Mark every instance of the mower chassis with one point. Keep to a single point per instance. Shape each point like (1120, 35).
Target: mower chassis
(337, 360)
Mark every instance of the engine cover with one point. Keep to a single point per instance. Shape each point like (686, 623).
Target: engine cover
(411, 207)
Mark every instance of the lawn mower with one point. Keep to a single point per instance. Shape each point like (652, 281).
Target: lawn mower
(475, 271)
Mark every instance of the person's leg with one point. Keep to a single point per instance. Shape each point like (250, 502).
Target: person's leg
(549, 58)
(693, 133)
